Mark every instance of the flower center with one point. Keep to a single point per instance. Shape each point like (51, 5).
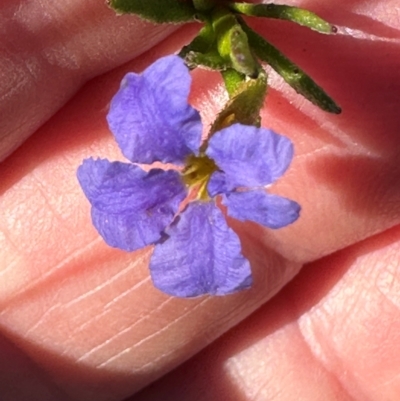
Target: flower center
(197, 173)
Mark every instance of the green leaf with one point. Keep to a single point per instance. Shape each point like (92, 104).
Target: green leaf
(232, 80)
(245, 104)
(290, 72)
(210, 61)
(232, 43)
(241, 56)
(159, 11)
(204, 42)
(294, 14)
(202, 51)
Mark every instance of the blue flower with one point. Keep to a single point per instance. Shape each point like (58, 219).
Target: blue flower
(196, 251)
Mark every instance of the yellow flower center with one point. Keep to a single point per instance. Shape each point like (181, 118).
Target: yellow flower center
(197, 173)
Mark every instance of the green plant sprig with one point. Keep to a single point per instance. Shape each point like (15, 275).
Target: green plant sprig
(226, 43)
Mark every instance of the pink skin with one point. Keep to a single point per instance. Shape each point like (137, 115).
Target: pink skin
(81, 321)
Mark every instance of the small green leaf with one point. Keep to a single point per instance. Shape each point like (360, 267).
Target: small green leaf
(245, 104)
(204, 42)
(294, 14)
(202, 51)
(232, 43)
(241, 55)
(291, 73)
(232, 80)
(211, 61)
(159, 11)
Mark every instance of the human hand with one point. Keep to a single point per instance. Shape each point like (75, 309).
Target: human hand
(87, 317)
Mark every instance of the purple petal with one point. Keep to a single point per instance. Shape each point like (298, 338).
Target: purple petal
(217, 184)
(201, 256)
(150, 116)
(130, 207)
(268, 210)
(248, 156)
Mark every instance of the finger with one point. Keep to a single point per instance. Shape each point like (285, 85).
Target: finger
(48, 50)
(331, 334)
